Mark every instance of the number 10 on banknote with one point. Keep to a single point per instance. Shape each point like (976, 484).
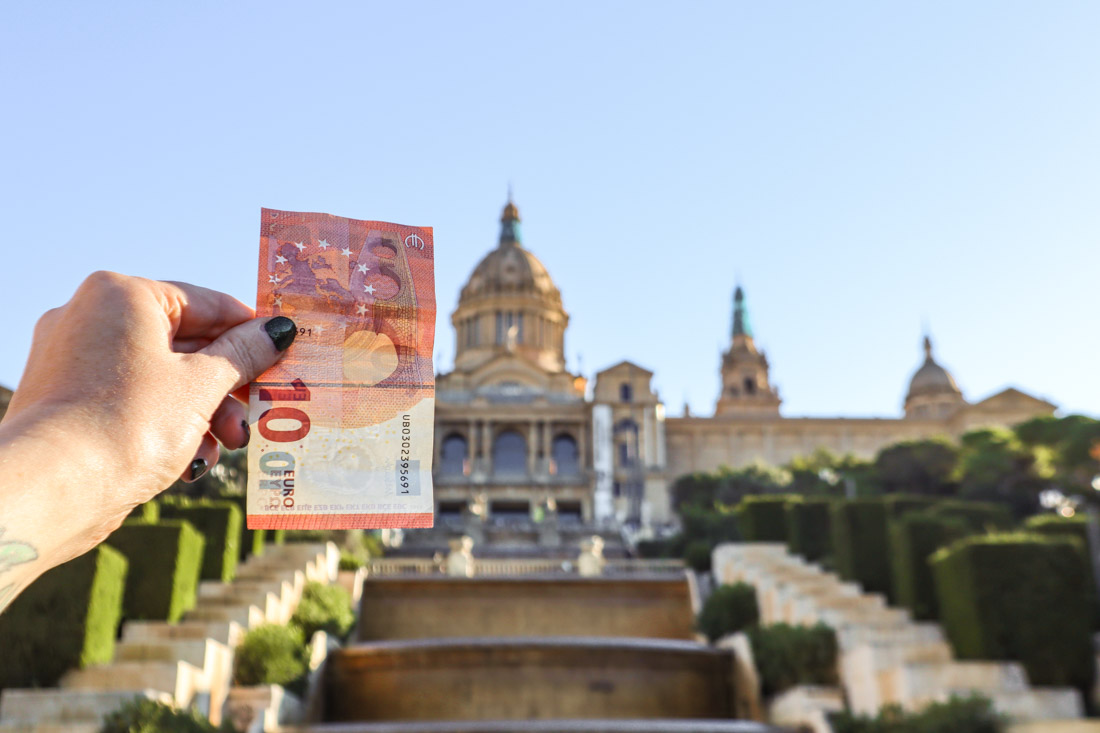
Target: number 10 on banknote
(343, 425)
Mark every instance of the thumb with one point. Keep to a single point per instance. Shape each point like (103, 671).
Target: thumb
(246, 351)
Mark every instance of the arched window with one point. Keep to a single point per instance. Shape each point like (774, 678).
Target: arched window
(626, 392)
(510, 454)
(453, 455)
(750, 385)
(564, 452)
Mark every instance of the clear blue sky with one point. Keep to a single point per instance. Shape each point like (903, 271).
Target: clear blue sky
(861, 167)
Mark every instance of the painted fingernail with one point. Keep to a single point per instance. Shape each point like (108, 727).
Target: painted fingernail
(282, 332)
(198, 468)
(247, 432)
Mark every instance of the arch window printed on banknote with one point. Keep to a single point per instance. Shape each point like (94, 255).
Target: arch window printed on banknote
(342, 427)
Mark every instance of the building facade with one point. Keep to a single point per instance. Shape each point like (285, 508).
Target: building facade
(519, 438)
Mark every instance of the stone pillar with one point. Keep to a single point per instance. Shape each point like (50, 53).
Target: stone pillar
(582, 448)
(546, 433)
(487, 447)
(472, 457)
(532, 448)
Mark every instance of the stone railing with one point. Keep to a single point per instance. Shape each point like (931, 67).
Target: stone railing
(503, 567)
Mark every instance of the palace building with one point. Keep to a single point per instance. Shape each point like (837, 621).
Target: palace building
(523, 443)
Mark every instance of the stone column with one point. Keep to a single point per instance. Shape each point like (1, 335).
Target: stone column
(487, 446)
(472, 457)
(582, 448)
(532, 447)
(546, 432)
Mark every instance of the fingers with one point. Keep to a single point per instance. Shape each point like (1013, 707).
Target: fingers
(230, 424)
(197, 312)
(205, 458)
(246, 351)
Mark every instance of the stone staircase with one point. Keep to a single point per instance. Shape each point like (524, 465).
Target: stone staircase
(886, 657)
(183, 664)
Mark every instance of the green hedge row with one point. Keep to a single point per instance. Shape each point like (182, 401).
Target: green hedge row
(220, 523)
(763, 518)
(913, 538)
(1019, 596)
(67, 618)
(787, 656)
(861, 538)
(165, 559)
(809, 527)
(729, 609)
(252, 540)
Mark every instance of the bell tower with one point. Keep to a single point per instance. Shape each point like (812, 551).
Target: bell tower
(746, 390)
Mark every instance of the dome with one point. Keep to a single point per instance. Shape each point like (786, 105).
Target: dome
(510, 269)
(931, 378)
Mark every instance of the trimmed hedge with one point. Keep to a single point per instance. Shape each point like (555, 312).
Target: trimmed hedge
(861, 538)
(147, 512)
(980, 515)
(762, 517)
(913, 538)
(220, 523)
(787, 655)
(272, 654)
(67, 618)
(860, 543)
(957, 715)
(729, 609)
(1077, 528)
(324, 608)
(252, 540)
(809, 527)
(1019, 596)
(697, 556)
(165, 559)
(142, 715)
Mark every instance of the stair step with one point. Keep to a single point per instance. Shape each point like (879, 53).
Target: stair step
(65, 707)
(180, 680)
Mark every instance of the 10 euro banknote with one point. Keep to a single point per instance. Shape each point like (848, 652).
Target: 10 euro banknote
(343, 425)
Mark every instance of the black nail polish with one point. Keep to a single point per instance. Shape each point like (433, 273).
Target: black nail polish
(282, 332)
(198, 468)
(247, 432)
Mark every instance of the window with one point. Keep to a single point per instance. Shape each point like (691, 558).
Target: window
(569, 512)
(565, 455)
(510, 454)
(750, 385)
(626, 392)
(452, 458)
(624, 454)
(519, 328)
(451, 509)
(500, 327)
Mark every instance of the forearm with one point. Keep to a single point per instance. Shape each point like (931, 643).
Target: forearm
(51, 486)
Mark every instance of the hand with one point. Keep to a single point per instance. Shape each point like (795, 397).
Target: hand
(128, 386)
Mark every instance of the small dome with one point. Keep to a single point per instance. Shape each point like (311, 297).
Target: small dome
(510, 269)
(931, 378)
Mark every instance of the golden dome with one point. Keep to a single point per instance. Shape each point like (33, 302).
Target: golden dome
(510, 269)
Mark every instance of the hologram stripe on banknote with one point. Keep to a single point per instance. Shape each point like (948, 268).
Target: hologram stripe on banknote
(343, 425)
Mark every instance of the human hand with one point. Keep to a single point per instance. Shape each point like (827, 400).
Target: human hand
(134, 382)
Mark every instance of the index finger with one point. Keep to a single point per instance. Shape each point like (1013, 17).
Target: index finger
(201, 313)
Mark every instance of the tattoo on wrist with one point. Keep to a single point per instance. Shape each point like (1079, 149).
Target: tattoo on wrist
(12, 553)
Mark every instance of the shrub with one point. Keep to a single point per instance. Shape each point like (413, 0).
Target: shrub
(220, 523)
(809, 529)
(348, 561)
(860, 543)
(252, 540)
(165, 560)
(272, 655)
(861, 538)
(324, 608)
(714, 525)
(913, 538)
(147, 512)
(142, 715)
(697, 556)
(763, 518)
(729, 609)
(982, 516)
(1018, 596)
(661, 548)
(957, 715)
(1053, 525)
(67, 618)
(794, 655)
(294, 536)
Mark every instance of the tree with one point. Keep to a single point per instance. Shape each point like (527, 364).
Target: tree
(922, 467)
(994, 465)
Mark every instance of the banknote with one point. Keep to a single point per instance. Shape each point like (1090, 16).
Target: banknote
(343, 426)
